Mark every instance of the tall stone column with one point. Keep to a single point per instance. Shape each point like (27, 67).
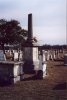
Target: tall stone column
(30, 28)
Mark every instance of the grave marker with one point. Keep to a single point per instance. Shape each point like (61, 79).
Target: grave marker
(2, 58)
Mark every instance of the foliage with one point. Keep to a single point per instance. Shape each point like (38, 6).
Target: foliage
(11, 32)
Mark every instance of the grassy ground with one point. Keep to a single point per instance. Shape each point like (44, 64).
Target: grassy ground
(52, 87)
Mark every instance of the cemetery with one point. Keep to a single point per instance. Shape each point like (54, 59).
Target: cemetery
(33, 72)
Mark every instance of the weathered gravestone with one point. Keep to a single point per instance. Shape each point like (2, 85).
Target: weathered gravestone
(2, 57)
(54, 56)
(16, 56)
(42, 67)
(43, 52)
(48, 55)
(20, 55)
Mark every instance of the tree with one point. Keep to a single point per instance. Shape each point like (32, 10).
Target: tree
(11, 33)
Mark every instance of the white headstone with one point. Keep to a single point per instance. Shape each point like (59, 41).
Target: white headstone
(44, 69)
(15, 55)
(40, 62)
(44, 58)
(48, 55)
(42, 65)
(57, 54)
(20, 55)
(54, 56)
(35, 54)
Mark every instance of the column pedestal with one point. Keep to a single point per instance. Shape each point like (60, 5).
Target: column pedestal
(30, 56)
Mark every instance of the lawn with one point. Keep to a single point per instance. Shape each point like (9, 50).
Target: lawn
(52, 87)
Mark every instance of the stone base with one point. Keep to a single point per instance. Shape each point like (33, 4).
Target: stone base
(6, 80)
(44, 74)
(10, 72)
(15, 79)
(41, 74)
(30, 66)
(30, 57)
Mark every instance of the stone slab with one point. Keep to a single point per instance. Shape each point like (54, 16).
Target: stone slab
(1, 55)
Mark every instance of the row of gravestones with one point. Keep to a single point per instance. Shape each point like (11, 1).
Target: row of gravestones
(52, 55)
(44, 56)
(14, 54)
(47, 55)
(42, 60)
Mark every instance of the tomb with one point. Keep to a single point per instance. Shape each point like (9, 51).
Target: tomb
(11, 72)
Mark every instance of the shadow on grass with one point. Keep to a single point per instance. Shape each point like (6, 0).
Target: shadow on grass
(60, 60)
(4, 83)
(61, 86)
(29, 78)
(32, 78)
(59, 65)
(38, 76)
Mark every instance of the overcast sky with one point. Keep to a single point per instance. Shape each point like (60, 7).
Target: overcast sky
(49, 17)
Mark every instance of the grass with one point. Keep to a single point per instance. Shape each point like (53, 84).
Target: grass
(52, 87)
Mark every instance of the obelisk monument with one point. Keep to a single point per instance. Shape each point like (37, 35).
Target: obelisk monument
(30, 29)
(30, 50)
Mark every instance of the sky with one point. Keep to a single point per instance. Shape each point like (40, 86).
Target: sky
(49, 18)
